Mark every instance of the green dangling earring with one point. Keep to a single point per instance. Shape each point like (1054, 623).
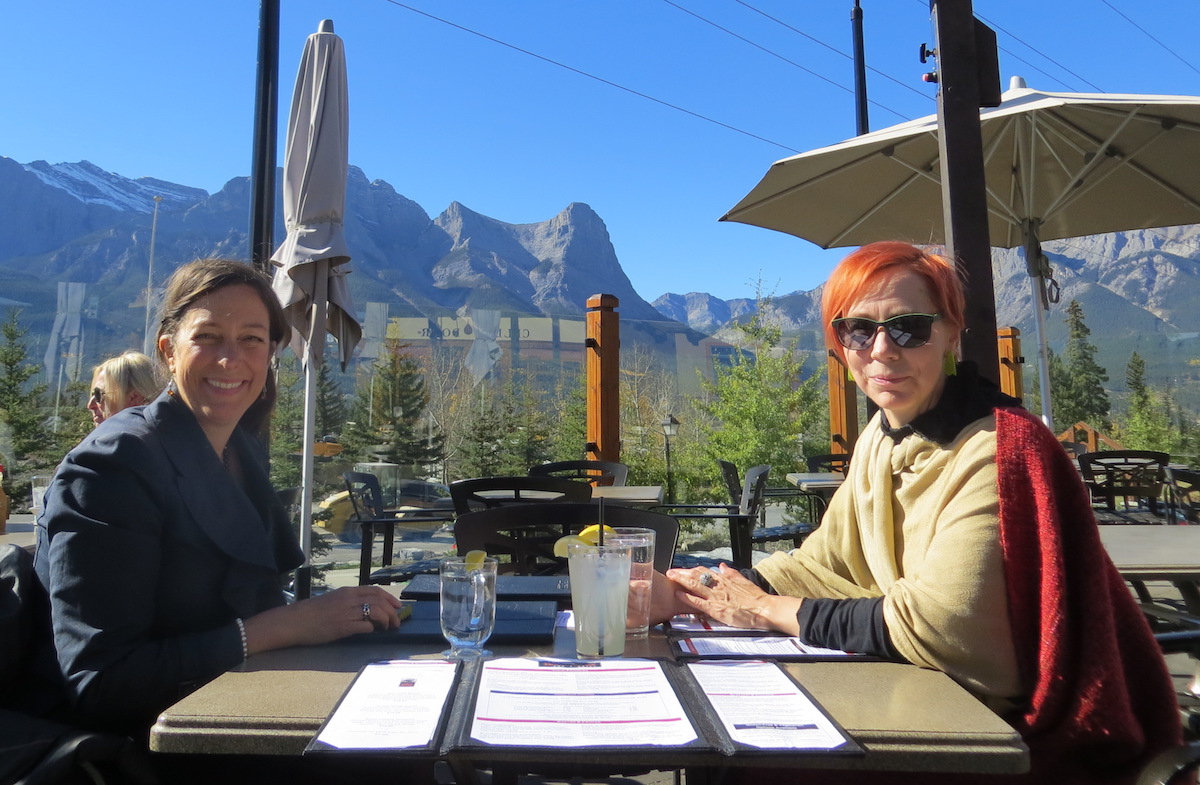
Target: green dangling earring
(950, 364)
(849, 374)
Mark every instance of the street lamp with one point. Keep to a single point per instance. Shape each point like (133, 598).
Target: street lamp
(670, 427)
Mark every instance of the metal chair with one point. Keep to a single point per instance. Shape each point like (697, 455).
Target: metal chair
(1183, 495)
(371, 516)
(796, 531)
(523, 536)
(1125, 475)
(742, 517)
(595, 473)
(482, 493)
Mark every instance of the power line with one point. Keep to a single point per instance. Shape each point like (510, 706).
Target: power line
(781, 57)
(834, 49)
(1151, 37)
(600, 79)
(1037, 51)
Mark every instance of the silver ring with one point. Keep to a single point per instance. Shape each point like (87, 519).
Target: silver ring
(366, 611)
(708, 579)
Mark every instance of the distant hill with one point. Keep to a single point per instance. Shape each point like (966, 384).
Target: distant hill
(1140, 291)
(74, 222)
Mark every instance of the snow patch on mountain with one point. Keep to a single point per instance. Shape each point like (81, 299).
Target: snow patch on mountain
(92, 185)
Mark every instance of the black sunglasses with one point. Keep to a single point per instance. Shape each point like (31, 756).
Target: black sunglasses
(908, 330)
(97, 395)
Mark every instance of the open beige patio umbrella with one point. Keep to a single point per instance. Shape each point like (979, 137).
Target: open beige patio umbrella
(310, 278)
(1057, 165)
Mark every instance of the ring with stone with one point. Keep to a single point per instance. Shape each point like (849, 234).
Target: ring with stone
(366, 609)
(708, 579)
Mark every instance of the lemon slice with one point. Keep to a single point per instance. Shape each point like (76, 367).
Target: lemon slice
(474, 559)
(560, 545)
(592, 533)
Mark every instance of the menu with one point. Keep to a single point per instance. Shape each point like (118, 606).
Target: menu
(393, 705)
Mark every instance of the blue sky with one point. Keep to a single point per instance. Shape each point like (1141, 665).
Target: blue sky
(166, 89)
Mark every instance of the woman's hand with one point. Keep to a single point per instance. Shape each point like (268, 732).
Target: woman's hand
(324, 618)
(726, 596)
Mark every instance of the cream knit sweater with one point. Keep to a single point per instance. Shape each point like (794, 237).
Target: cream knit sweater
(916, 522)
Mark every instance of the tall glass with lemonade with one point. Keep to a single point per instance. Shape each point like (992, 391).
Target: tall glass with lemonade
(599, 597)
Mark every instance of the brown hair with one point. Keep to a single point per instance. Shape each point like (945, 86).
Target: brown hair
(201, 278)
(859, 271)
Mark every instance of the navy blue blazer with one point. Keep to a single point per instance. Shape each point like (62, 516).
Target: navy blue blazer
(150, 552)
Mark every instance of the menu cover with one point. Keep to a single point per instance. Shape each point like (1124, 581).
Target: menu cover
(764, 710)
(564, 710)
(763, 647)
(516, 622)
(508, 587)
(397, 707)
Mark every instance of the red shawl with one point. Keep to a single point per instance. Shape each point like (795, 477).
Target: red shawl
(1102, 702)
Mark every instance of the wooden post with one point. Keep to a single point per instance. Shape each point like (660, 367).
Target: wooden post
(1008, 341)
(603, 348)
(843, 407)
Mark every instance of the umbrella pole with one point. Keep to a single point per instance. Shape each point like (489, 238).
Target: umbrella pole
(316, 346)
(1038, 285)
(1035, 265)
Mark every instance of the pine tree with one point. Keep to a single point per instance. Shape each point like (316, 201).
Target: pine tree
(331, 405)
(1077, 383)
(391, 423)
(22, 407)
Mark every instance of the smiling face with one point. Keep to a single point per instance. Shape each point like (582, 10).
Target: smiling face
(219, 357)
(903, 382)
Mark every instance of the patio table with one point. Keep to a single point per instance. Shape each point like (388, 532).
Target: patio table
(1158, 553)
(906, 718)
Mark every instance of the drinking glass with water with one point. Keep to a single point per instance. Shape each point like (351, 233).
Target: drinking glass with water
(468, 604)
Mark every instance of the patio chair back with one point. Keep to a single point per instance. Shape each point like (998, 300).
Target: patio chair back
(523, 536)
(482, 493)
(1124, 474)
(365, 494)
(595, 473)
(1183, 494)
(829, 462)
(733, 481)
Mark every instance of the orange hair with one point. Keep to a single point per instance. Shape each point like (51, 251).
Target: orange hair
(861, 269)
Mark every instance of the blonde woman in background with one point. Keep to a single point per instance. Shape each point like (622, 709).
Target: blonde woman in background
(119, 382)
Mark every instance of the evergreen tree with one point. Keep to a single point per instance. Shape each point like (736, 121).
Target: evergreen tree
(1078, 383)
(390, 419)
(331, 405)
(759, 406)
(481, 453)
(287, 425)
(22, 407)
(1135, 379)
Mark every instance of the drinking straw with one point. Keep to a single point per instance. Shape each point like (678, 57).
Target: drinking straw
(601, 637)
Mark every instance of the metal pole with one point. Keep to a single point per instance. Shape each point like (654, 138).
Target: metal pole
(964, 196)
(266, 112)
(670, 474)
(860, 71)
(147, 340)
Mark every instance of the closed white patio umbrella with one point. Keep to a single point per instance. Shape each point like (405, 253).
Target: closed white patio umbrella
(312, 262)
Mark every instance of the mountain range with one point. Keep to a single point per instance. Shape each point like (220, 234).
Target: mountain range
(76, 222)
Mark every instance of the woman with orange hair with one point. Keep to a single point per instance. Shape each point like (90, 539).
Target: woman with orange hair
(962, 540)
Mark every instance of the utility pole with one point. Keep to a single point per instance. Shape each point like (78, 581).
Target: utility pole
(860, 71)
(266, 114)
(964, 192)
(147, 338)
